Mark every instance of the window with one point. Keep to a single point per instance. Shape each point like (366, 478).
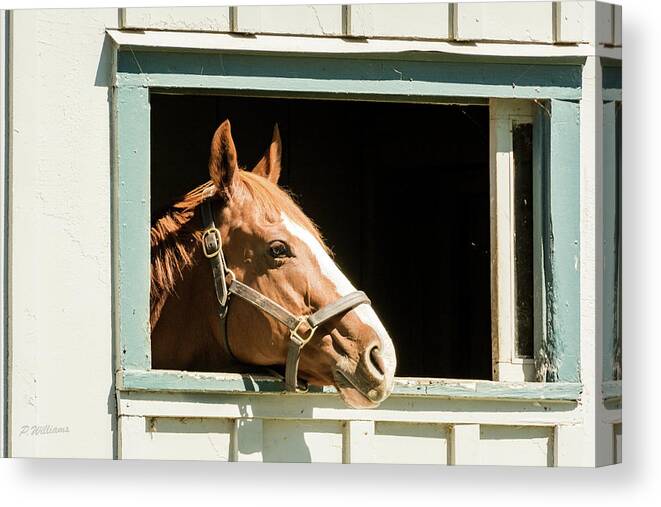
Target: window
(513, 281)
(409, 227)
(496, 213)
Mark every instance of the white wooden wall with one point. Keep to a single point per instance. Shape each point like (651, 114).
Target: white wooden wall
(60, 291)
(317, 428)
(60, 301)
(532, 22)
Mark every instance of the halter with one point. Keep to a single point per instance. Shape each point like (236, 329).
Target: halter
(301, 328)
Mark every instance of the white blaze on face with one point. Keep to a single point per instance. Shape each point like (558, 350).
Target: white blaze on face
(343, 286)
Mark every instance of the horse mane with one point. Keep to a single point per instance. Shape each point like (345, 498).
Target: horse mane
(175, 237)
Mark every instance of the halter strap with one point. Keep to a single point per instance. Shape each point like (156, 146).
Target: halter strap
(301, 328)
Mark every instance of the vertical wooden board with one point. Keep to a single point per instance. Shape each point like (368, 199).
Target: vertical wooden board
(247, 440)
(604, 449)
(292, 19)
(132, 224)
(502, 115)
(505, 21)
(355, 441)
(617, 442)
(563, 275)
(175, 438)
(569, 446)
(394, 442)
(425, 21)
(292, 441)
(604, 23)
(204, 19)
(592, 22)
(500, 146)
(516, 445)
(591, 154)
(575, 21)
(617, 25)
(465, 444)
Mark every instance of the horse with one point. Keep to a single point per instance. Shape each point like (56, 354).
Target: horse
(264, 246)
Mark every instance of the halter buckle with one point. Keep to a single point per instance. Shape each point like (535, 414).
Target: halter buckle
(297, 338)
(211, 242)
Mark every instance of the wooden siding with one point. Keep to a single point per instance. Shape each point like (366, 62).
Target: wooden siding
(263, 428)
(617, 25)
(422, 21)
(521, 22)
(290, 19)
(298, 441)
(530, 22)
(590, 22)
(202, 19)
(61, 126)
(617, 443)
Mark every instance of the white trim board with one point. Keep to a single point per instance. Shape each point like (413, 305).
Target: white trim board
(316, 45)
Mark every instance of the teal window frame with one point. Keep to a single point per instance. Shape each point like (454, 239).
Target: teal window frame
(611, 388)
(430, 78)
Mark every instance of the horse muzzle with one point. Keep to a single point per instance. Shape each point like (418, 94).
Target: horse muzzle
(368, 381)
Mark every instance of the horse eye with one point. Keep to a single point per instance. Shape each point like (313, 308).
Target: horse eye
(279, 249)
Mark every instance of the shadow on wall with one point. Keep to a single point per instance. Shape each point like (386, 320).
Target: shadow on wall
(253, 436)
(103, 75)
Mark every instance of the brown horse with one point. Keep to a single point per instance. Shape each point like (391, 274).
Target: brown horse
(273, 247)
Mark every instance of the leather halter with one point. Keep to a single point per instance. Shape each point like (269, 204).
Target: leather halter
(301, 328)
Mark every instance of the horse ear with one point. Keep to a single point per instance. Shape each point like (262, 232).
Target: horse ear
(269, 165)
(223, 162)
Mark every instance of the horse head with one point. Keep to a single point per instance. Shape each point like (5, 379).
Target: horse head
(271, 246)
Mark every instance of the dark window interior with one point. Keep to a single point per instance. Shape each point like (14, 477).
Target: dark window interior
(400, 191)
(523, 238)
(617, 347)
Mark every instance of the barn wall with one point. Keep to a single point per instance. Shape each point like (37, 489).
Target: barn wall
(60, 290)
(536, 22)
(318, 428)
(60, 286)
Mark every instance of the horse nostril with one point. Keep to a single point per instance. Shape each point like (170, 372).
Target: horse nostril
(376, 359)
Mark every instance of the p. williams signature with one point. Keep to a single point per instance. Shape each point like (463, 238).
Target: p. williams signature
(42, 429)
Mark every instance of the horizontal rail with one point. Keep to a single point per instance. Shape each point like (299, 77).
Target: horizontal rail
(183, 381)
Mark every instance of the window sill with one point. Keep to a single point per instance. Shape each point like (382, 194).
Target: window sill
(184, 381)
